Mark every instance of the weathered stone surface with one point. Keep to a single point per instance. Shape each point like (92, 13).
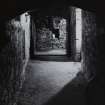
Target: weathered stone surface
(46, 38)
(93, 54)
(72, 32)
(13, 60)
(89, 43)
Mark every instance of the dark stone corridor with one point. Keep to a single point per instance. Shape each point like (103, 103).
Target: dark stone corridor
(52, 54)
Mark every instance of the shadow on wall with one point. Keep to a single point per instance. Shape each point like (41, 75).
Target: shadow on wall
(94, 57)
(3, 37)
(96, 87)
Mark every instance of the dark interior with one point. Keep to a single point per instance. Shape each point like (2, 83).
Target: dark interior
(14, 56)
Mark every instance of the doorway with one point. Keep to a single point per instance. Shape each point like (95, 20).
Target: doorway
(50, 35)
(57, 35)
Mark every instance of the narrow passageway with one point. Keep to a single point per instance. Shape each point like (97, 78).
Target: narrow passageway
(45, 80)
(52, 53)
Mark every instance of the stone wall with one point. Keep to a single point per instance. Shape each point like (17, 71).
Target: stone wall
(72, 33)
(46, 37)
(14, 54)
(89, 43)
(33, 38)
(25, 22)
(93, 57)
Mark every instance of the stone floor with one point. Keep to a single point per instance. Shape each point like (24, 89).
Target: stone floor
(52, 52)
(53, 83)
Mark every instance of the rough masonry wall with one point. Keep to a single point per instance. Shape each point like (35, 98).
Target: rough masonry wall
(46, 38)
(89, 43)
(25, 22)
(72, 33)
(13, 60)
(93, 56)
(33, 38)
